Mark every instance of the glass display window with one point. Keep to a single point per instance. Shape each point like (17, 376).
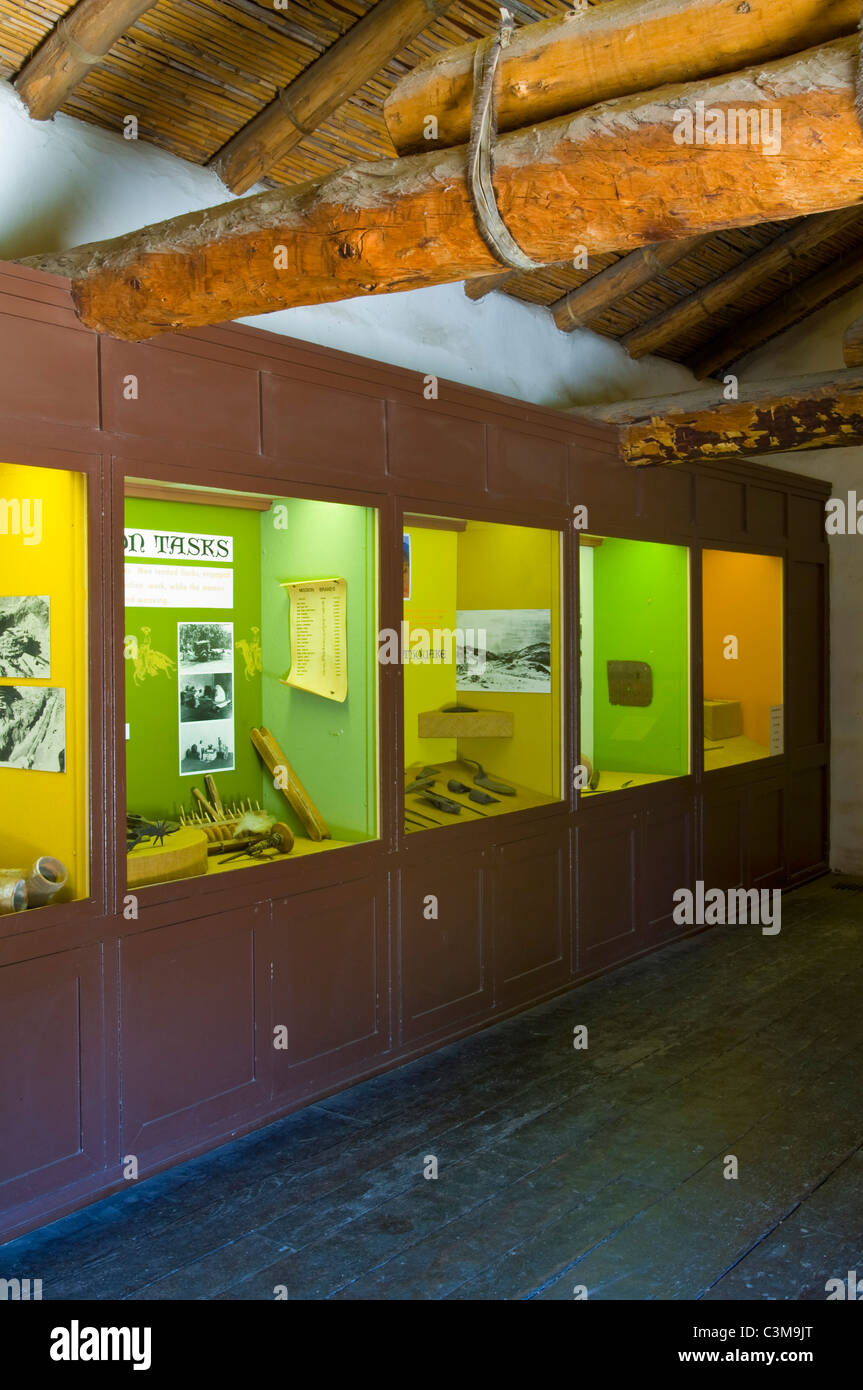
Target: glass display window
(44, 688)
(251, 679)
(634, 663)
(481, 654)
(743, 657)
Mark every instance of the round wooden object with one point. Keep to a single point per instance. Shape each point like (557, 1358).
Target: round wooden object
(183, 855)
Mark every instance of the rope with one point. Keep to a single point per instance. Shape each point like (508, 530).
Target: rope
(483, 129)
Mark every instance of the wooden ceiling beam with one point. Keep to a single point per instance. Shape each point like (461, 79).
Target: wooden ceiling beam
(589, 301)
(590, 55)
(298, 109)
(789, 309)
(485, 284)
(75, 46)
(612, 179)
(698, 308)
(770, 417)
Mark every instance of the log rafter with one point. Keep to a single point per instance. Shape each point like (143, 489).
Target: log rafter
(298, 109)
(587, 302)
(698, 307)
(613, 180)
(770, 417)
(75, 46)
(586, 56)
(792, 307)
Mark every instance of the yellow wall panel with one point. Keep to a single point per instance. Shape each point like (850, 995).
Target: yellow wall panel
(46, 812)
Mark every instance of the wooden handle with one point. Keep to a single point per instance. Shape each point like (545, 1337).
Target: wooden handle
(294, 793)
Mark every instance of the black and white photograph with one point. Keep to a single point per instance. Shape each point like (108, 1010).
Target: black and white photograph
(207, 747)
(205, 647)
(33, 727)
(25, 637)
(506, 650)
(204, 697)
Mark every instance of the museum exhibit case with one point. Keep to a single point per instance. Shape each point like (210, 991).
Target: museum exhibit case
(482, 669)
(742, 648)
(254, 473)
(634, 664)
(251, 692)
(44, 779)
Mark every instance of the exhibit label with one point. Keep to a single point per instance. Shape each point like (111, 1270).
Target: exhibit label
(176, 545)
(178, 586)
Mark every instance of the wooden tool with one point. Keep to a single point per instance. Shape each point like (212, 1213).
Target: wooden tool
(183, 855)
(213, 793)
(293, 791)
(218, 828)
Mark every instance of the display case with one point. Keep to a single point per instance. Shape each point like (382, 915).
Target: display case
(251, 679)
(742, 642)
(481, 653)
(44, 689)
(634, 663)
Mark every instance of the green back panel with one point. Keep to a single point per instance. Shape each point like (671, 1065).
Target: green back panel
(640, 612)
(154, 783)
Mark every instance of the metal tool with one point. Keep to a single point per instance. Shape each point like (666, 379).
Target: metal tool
(443, 803)
(483, 779)
(482, 797)
(419, 784)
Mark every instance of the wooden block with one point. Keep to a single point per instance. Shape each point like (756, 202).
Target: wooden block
(722, 719)
(484, 723)
(183, 855)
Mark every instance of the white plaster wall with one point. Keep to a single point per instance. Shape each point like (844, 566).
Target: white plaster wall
(63, 183)
(816, 346)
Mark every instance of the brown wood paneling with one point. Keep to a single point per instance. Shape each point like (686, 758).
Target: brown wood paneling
(765, 515)
(723, 823)
(187, 1019)
(530, 916)
(605, 487)
(806, 522)
(312, 426)
(444, 958)
(180, 397)
(606, 913)
(526, 465)
(666, 853)
(807, 822)
(425, 442)
(719, 506)
(765, 816)
(48, 372)
(325, 954)
(52, 1073)
(806, 638)
(666, 498)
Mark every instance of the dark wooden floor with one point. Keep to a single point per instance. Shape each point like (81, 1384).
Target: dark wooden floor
(556, 1167)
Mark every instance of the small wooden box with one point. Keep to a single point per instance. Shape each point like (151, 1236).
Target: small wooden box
(483, 723)
(722, 719)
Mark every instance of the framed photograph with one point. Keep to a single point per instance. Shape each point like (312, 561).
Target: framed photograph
(505, 649)
(33, 727)
(205, 647)
(207, 747)
(206, 697)
(25, 637)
